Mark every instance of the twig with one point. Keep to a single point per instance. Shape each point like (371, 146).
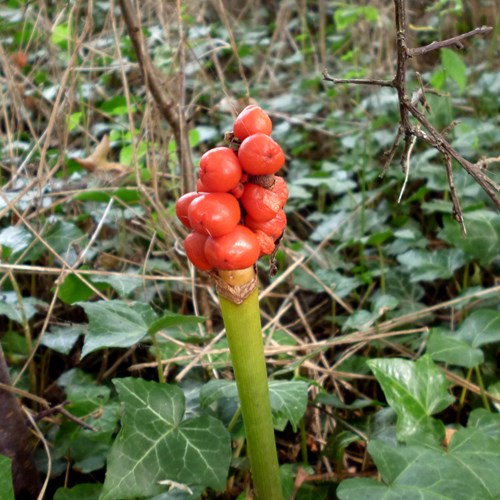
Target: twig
(60, 409)
(167, 105)
(408, 107)
(455, 41)
(357, 81)
(406, 165)
(457, 210)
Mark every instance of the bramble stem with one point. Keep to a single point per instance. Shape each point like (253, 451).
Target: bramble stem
(244, 335)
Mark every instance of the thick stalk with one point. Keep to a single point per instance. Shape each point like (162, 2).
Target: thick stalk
(244, 335)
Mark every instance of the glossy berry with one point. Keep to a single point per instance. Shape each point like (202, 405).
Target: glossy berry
(260, 155)
(194, 245)
(237, 191)
(266, 242)
(280, 189)
(252, 120)
(238, 249)
(274, 227)
(214, 214)
(182, 206)
(200, 187)
(220, 170)
(260, 203)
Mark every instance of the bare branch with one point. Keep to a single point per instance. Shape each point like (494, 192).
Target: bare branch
(457, 209)
(357, 81)
(455, 41)
(409, 107)
(168, 106)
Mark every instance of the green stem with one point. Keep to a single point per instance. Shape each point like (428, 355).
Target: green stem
(479, 377)
(157, 350)
(244, 335)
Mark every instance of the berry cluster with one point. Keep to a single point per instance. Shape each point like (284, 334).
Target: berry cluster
(237, 214)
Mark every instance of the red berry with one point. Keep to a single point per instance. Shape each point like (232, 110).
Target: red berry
(237, 191)
(182, 206)
(252, 120)
(274, 227)
(214, 214)
(194, 245)
(200, 187)
(260, 203)
(280, 189)
(238, 249)
(266, 242)
(260, 155)
(220, 170)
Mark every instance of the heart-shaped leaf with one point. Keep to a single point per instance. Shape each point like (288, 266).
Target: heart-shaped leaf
(157, 447)
(415, 391)
(288, 399)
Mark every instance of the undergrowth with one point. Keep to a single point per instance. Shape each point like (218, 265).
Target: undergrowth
(382, 324)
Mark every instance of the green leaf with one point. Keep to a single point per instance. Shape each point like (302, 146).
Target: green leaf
(73, 289)
(117, 106)
(115, 324)
(481, 327)
(127, 156)
(6, 478)
(16, 238)
(65, 238)
(347, 16)
(155, 444)
(453, 350)
(88, 449)
(415, 390)
(79, 492)
(455, 67)
(171, 319)
(63, 338)
(288, 399)
(10, 307)
(468, 470)
(486, 421)
(483, 235)
(430, 266)
(123, 285)
(84, 395)
(480, 455)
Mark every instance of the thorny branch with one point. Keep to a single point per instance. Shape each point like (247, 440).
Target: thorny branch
(424, 130)
(167, 105)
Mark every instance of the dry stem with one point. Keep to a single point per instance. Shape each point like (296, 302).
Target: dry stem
(424, 130)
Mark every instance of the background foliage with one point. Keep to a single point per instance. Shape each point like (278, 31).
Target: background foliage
(383, 322)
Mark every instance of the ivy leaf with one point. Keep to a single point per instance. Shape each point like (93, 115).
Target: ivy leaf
(481, 327)
(63, 338)
(468, 470)
(64, 237)
(488, 422)
(452, 349)
(16, 238)
(288, 399)
(483, 235)
(10, 307)
(454, 67)
(415, 391)
(156, 445)
(88, 491)
(6, 478)
(430, 266)
(115, 324)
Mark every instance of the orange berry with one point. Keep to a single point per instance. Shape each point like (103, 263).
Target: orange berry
(252, 120)
(260, 155)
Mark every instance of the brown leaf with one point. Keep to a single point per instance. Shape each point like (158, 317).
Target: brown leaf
(98, 162)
